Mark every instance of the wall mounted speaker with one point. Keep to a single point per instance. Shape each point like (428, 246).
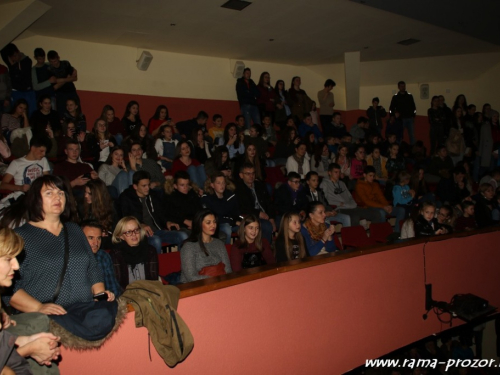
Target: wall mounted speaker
(238, 69)
(144, 60)
(424, 91)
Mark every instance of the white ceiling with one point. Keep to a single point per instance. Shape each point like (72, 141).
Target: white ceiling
(304, 32)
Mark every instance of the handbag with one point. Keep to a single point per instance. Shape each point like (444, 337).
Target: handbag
(212, 271)
(251, 260)
(86, 325)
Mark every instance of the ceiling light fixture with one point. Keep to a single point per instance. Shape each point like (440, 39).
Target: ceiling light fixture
(236, 4)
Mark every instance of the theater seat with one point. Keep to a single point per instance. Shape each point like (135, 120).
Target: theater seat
(355, 237)
(380, 231)
(169, 262)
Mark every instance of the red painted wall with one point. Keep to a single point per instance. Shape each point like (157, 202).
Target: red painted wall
(183, 109)
(320, 320)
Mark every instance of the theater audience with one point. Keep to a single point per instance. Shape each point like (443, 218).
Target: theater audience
(403, 195)
(216, 132)
(426, 224)
(21, 172)
(200, 147)
(223, 203)
(379, 162)
(299, 162)
(114, 172)
(440, 166)
(300, 103)
(376, 113)
(74, 114)
(267, 96)
(218, 163)
(232, 141)
(202, 255)
(47, 204)
(159, 119)
(115, 126)
(184, 162)
(446, 217)
(186, 128)
(250, 156)
(344, 161)
(253, 199)
(140, 134)
(99, 142)
(282, 110)
(182, 200)
(358, 164)
(250, 250)
(290, 242)
(136, 162)
(454, 189)
(98, 206)
(285, 146)
(45, 115)
(467, 221)
(484, 206)
(133, 257)
(93, 231)
(149, 209)
(289, 197)
(395, 162)
(165, 146)
(131, 118)
(17, 118)
(317, 234)
(322, 158)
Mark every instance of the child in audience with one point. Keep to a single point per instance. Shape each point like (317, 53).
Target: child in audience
(74, 113)
(402, 194)
(184, 162)
(379, 163)
(386, 145)
(115, 126)
(216, 132)
(395, 126)
(344, 161)
(131, 118)
(269, 132)
(467, 221)
(165, 146)
(250, 250)
(159, 119)
(426, 224)
(446, 217)
(290, 243)
(333, 144)
(358, 163)
(395, 163)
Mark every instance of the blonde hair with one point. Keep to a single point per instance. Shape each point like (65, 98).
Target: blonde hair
(283, 233)
(11, 244)
(121, 224)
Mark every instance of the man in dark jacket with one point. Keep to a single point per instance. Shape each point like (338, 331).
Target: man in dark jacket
(454, 189)
(148, 209)
(247, 93)
(186, 127)
(403, 103)
(289, 197)
(254, 199)
(375, 115)
(20, 75)
(183, 202)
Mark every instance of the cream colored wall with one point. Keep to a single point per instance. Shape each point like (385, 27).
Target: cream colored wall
(110, 68)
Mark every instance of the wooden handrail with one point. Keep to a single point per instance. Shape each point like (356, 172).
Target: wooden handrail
(207, 285)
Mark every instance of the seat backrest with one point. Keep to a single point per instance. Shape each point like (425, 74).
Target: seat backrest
(355, 236)
(169, 262)
(380, 231)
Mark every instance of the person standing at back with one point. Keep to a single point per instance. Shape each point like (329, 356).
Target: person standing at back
(247, 93)
(66, 74)
(326, 104)
(403, 103)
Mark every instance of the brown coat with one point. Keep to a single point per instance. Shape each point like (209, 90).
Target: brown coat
(370, 194)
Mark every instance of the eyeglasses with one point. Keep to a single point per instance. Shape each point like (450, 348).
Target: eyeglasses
(131, 232)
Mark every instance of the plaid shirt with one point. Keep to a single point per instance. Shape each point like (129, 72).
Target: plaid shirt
(106, 266)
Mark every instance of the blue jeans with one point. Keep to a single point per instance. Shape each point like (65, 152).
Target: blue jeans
(29, 96)
(228, 230)
(408, 123)
(250, 113)
(171, 236)
(197, 175)
(267, 230)
(118, 138)
(343, 219)
(122, 181)
(398, 212)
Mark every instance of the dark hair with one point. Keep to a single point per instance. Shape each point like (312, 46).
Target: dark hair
(362, 120)
(246, 165)
(330, 82)
(466, 204)
(105, 109)
(34, 200)
(202, 115)
(247, 69)
(293, 79)
(52, 55)
(134, 143)
(109, 160)
(243, 244)
(376, 99)
(127, 111)
(90, 224)
(178, 148)
(216, 116)
(217, 156)
(276, 87)
(39, 52)
(459, 170)
(181, 175)
(457, 99)
(226, 133)
(336, 114)
(9, 50)
(237, 118)
(258, 129)
(42, 97)
(369, 169)
(310, 174)
(401, 83)
(292, 175)
(37, 142)
(140, 175)
(101, 207)
(197, 228)
(312, 206)
(17, 103)
(261, 79)
(318, 152)
(156, 116)
(333, 166)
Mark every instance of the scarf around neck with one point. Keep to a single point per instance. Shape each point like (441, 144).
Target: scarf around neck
(315, 231)
(300, 163)
(134, 255)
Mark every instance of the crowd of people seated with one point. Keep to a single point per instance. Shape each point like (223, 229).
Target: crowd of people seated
(137, 186)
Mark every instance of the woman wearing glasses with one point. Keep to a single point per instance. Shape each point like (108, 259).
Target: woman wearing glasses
(133, 258)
